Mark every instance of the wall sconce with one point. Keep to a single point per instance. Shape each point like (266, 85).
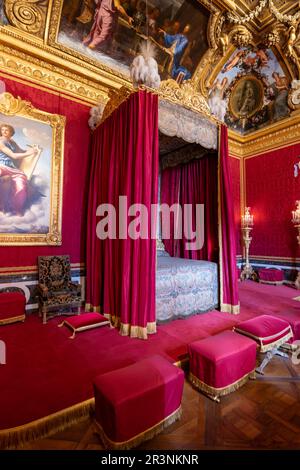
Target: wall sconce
(296, 222)
(247, 225)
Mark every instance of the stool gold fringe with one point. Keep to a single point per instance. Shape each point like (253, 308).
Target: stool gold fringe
(18, 436)
(144, 436)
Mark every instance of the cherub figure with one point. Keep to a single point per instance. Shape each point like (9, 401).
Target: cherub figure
(234, 61)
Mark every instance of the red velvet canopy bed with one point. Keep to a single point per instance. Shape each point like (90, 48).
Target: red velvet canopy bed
(121, 271)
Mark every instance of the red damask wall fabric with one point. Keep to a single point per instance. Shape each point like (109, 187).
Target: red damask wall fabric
(234, 167)
(272, 190)
(76, 166)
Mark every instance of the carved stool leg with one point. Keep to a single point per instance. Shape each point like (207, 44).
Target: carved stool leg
(268, 357)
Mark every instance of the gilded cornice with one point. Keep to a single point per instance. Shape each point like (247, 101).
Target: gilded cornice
(37, 48)
(276, 136)
(43, 72)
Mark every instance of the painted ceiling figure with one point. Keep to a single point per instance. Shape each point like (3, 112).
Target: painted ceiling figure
(247, 100)
(178, 42)
(279, 89)
(234, 61)
(216, 101)
(105, 23)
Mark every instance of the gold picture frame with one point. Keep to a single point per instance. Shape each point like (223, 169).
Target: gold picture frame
(246, 97)
(31, 187)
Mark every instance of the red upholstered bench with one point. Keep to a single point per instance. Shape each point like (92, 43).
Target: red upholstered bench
(85, 321)
(221, 363)
(270, 276)
(269, 332)
(12, 307)
(135, 403)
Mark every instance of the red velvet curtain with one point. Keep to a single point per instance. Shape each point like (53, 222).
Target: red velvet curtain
(193, 183)
(229, 300)
(121, 271)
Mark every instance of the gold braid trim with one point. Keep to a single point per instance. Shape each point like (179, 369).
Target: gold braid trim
(126, 329)
(212, 391)
(134, 331)
(269, 346)
(143, 436)
(228, 308)
(6, 321)
(92, 308)
(276, 283)
(18, 436)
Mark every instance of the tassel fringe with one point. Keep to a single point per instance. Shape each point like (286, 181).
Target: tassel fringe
(144, 436)
(219, 392)
(16, 437)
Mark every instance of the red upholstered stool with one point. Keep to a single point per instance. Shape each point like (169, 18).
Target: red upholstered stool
(12, 307)
(85, 321)
(221, 363)
(269, 332)
(270, 276)
(135, 403)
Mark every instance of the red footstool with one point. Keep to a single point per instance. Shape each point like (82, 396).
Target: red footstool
(270, 276)
(83, 322)
(12, 307)
(269, 332)
(221, 363)
(135, 403)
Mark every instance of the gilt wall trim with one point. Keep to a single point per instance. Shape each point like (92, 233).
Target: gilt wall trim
(276, 136)
(41, 72)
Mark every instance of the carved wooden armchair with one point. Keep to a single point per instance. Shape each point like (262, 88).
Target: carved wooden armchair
(56, 292)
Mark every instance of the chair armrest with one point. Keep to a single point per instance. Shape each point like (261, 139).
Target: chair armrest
(75, 286)
(43, 291)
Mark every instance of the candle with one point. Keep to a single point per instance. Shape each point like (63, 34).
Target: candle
(296, 214)
(247, 218)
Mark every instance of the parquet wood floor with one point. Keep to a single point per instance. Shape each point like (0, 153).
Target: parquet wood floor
(264, 414)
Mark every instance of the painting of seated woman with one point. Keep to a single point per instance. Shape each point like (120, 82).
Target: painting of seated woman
(111, 32)
(25, 173)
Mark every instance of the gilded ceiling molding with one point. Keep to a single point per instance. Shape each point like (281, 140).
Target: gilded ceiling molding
(279, 135)
(41, 72)
(29, 15)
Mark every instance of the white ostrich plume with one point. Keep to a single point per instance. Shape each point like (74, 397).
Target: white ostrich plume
(144, 69)
(96, 113)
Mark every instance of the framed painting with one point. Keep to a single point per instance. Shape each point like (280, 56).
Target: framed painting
(110, 33)
(247, 97)
(31, 172)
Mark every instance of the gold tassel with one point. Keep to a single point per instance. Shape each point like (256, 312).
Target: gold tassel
(16, 437)
(144, 436)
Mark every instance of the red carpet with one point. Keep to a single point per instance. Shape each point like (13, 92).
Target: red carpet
(47, 372)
